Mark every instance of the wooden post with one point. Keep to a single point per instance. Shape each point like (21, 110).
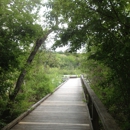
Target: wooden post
(95, 119)
(90, 106)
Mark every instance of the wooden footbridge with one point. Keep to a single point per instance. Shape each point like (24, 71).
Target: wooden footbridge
(66, 109)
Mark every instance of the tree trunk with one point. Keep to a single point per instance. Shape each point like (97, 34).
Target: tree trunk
(28, 62)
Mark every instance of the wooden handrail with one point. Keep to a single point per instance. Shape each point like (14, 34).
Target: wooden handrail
(97, 110)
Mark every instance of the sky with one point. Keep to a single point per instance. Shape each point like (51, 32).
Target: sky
(50, 40)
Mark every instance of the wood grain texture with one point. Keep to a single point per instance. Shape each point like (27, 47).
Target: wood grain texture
(63, 110)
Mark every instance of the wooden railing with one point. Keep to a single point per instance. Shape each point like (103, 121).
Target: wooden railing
(101, 119)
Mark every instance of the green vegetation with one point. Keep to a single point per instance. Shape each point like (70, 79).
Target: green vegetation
(28, 73)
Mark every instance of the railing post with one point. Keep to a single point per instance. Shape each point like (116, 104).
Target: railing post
(95, 119)
(90, 106)
(93, 114)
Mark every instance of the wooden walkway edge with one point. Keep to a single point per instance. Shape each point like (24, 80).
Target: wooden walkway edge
(65, 109)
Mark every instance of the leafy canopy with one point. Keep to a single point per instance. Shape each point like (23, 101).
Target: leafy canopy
(18, 30)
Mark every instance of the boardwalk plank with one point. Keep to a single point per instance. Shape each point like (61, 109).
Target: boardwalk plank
(63, 110)
(51, 127)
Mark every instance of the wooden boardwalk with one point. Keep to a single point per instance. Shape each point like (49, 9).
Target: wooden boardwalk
(65, 109)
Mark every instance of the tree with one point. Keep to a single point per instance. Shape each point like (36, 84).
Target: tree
(18, 30)
(20, 80)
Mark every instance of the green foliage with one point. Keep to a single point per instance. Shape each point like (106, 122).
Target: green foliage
(38, 85)
(68, 61)
(18, 30)
(106, 86)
